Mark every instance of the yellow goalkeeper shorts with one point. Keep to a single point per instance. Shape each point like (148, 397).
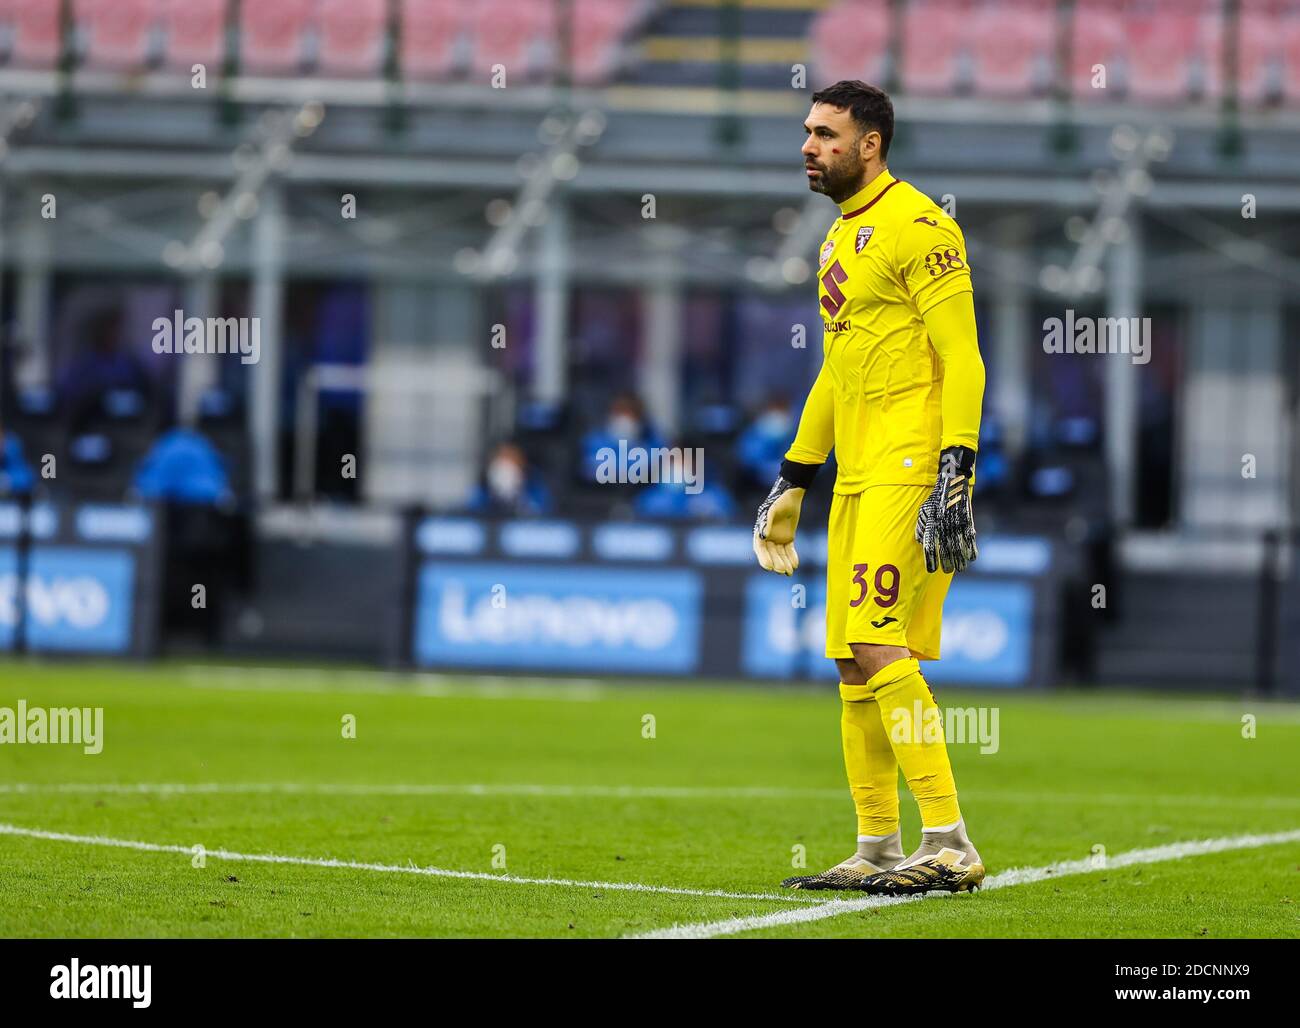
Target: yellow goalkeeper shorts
(877, 588)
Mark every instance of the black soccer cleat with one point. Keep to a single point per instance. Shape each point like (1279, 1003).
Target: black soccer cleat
(944, 871)
(848, 874)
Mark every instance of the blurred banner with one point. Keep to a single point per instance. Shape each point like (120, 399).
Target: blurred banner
(83, 579)
(660, 600)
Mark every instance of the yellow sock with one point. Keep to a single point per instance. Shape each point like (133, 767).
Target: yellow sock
(914, 726)
(869, 761)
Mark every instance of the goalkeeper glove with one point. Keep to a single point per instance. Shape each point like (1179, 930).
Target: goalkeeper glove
(945, 526)
(778, 517)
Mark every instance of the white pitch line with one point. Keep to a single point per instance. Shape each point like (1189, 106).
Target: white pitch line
(606, 792)
(436, 872)
(425, 684)
(1017, 876)
(422, 789)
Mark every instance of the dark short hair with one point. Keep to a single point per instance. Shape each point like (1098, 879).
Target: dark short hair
(869, 106)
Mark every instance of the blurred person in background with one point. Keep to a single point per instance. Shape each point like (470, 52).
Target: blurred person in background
(103, 364)
(16, 476)
(762, 444)
(340, 339)
(511, 486)
(205, 538)
(674, 499)
(625, 422)
(993, 486)
(182, 466)
(1067, 489)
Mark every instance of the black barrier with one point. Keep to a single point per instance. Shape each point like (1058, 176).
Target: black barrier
(662, 600)
(1278, 629)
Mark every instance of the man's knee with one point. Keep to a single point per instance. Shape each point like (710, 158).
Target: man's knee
(850, 673)
(873, 657)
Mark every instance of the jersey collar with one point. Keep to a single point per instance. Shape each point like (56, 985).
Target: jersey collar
(867, 195)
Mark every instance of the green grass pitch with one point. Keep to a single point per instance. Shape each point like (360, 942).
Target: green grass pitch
(560, 781)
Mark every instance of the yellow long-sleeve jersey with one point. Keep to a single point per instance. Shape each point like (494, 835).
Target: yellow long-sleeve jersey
(901, 376)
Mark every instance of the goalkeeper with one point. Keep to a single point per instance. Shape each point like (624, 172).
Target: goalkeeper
(898, 397)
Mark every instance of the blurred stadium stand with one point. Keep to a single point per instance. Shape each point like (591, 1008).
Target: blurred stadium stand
(1154, 51)
(626, 217)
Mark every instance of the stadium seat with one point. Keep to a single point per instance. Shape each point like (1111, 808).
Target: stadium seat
(520, 37)
(1260, 52)
(272, 36)
(1268, 51)
(1174, 50)
(934, 49)
(115, 33)
(1096, 38)
(35, 32)
(432, 35)
(851, 41)
(194, 33)
(597, 38)
(1290, 30)
(1207, 61)
(1013, 45)
(352, 36)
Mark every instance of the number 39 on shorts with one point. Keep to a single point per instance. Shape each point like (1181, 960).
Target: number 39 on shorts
(886, 585)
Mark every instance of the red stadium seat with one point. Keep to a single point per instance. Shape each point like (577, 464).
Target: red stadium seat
(1268, 51)
(1290, 32)
(1013, 43)
(432, 31)
(934, 33)
(1260, 51)
(851, 41)
(195, 33)
(116, 32)
(520, 37)
(272, 35)
(597, 38)
(1096, 38)
(35, 32)
(352, 34)
(1170, 46)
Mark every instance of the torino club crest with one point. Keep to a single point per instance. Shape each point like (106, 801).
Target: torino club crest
(864, 237)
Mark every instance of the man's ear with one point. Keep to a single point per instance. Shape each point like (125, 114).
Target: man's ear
(869, 145)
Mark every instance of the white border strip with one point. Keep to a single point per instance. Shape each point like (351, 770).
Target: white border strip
(437, 872)
(1018, 876)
